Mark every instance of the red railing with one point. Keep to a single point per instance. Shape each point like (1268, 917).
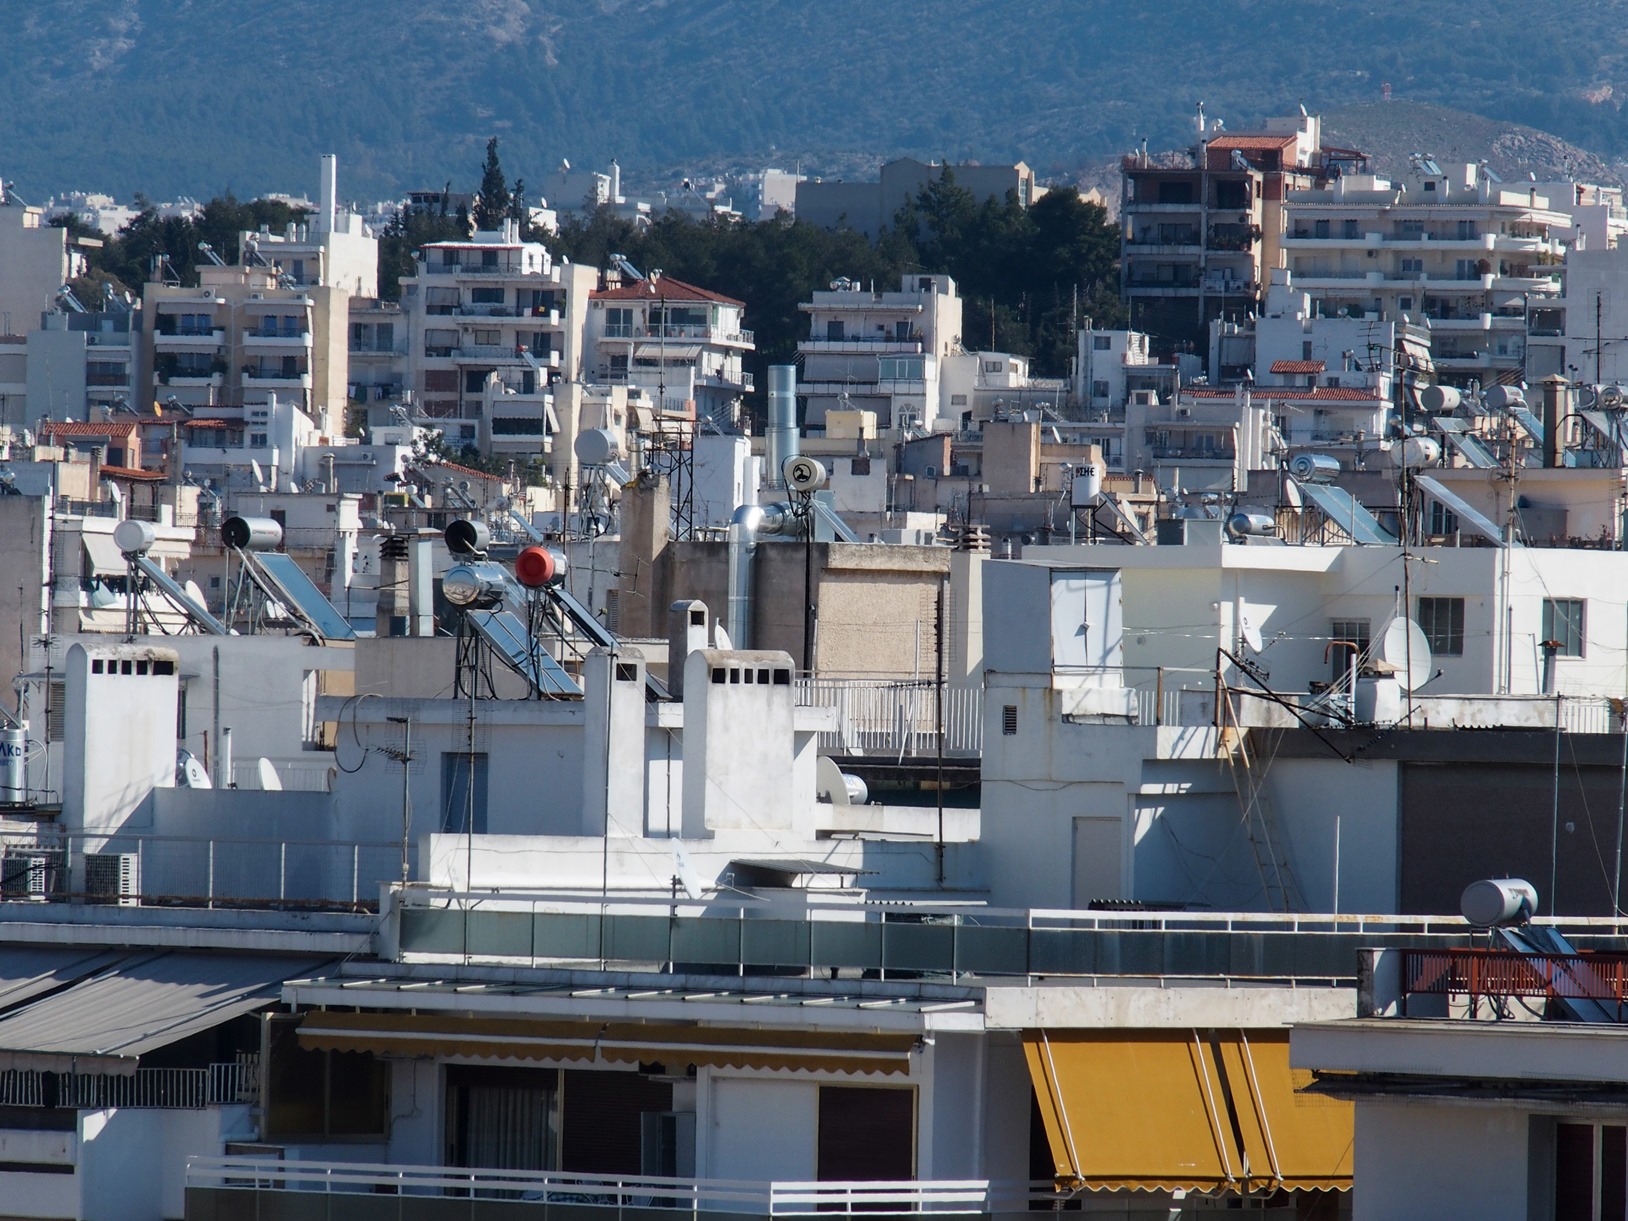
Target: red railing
(1598, 976)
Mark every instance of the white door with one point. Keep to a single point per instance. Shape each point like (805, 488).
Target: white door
(765, 1130)
(1097, 851)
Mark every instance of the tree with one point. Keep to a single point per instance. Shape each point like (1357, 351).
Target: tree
(494, 203)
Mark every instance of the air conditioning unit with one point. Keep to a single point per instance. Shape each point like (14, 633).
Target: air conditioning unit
(1184, 413)
(113, 877)
(33, 874)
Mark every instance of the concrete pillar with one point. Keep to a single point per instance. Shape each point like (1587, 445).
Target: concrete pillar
(613, 766)
(646, 528)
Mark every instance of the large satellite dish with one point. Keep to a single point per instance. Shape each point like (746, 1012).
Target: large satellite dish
(1407, 650)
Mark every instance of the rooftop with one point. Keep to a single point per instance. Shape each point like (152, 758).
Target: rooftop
(666, 288)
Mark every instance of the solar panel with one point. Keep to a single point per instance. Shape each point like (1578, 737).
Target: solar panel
(295, 590)
(1466, 514)
(1471, 447)
(1601, 423)
(1341, 508)
(504, 631)
(180, 597)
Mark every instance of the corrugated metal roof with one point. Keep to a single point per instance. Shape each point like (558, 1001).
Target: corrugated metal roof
(27, 973)
(105, 1021)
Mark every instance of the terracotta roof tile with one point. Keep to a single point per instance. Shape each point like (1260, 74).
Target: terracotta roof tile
(667, 288)
(1298, 366)
(85, 428)
(133, 474)
(1300, 394)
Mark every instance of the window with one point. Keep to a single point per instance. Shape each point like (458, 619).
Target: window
(1563, 624)
(1443, 622)
(833, 329)
(994, 366)
(1320, 228)
(1346, 635)
(1101, 343)
(1099, 389)
(486, 296)
(1351, 228)
(459, 800)
(489, 338)
(321, 1093)
(257, 440)
(1591, 1171)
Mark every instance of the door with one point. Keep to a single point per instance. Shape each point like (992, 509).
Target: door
(1097, 851)
(764, 1130)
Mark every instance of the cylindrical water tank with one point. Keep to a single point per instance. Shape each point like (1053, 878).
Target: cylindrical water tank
(13, 763)
(858, 791)
(1255, 524)
(536, 567)
(1087, 485)
(134, 537)
(1314, 468)
(1440, 399)
(1414, 452)
(780, 437)
(1502, 398)
(596, 447)
(251, 533)
(1499, 901)
(465, 537)
(474, 586)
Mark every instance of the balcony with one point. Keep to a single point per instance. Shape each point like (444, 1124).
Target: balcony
(263, 378)
(279, 339)
(192, 379)
(189, 339)
(873, 344)
(316, 1191)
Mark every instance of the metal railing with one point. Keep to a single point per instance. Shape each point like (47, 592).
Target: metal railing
(133, 869)
(1484, 973)
(293, 777)
(694, 1196)
(897, 719)
(183, 1089)
(903, 942)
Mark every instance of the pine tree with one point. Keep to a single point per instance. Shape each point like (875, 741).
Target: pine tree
(493, 202)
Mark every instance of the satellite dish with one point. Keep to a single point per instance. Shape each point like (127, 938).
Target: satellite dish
(1407, 650)
(194, 592)
(1250, 633)
(684, 871)
(828, 782)
(189, 773)
(259, 475)
(720, 638)
(270, 781)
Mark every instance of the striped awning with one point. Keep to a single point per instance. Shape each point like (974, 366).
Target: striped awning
(1184, 1109)
(429, 1034)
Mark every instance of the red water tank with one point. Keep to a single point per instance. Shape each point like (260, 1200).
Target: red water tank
(535, 567)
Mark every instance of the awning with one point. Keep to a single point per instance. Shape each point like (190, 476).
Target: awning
(103, 555)
(414, 1034)
(105, 1022)
(667, 352)
(1199, 1110)
(27, 973)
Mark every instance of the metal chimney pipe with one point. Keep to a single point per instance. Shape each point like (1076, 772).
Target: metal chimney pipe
(749, 522)
(329, 193)
(780, 441)
(1555, 392)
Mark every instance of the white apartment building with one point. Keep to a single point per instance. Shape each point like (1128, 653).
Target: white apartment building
(332, 248)
(881, 351)
(491, 304)
(1579, 335)
(80, 363)
(378, 351)
(1109, 366)
(1452, 247)
(680, 343)
(36, 260)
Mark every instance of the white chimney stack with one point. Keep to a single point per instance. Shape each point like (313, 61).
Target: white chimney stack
(330, 193)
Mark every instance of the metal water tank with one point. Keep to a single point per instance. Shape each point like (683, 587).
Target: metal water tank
(1494, 902)
(251, 533)
(465, 537)
(1440, 399)
(1314, 468)
(1086, 488)
(14, 762)
(134, 537)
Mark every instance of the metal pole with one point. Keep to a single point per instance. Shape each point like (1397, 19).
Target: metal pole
(1622, 806)
(1554, 827)
(938, 704)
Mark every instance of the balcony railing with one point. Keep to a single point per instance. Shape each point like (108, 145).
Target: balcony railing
(1479, 974)
(422, 1193)
(896, 720)
(175, 1089)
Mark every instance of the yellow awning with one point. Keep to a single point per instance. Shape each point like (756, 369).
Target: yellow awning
(411, 1034)
(1200, 1110)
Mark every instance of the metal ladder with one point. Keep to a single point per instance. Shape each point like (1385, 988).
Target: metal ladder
(1260, 820)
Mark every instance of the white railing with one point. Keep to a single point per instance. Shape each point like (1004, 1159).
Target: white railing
(694, 1196)
(897, 719)
(186, 1089)
(293, 776)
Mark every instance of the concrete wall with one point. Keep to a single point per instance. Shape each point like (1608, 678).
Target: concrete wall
(119, 733)
(133, 1162)
(1420, 1163)
(34, 264)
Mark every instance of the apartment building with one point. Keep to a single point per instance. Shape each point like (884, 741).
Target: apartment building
(333, 247)
(680, 343)
(1451, 247)
(1110, 366)
(870, 207)
(36, 260)
(80, 363)
(239, 337)
(1197, 240)
(881, 351)
(491, 304)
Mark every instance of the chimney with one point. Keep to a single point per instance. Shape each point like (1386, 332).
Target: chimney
(1556, 392)
(330, 193)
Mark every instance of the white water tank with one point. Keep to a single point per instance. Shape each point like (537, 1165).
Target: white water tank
(1494, 902)
(1086, 488)
(14, 763)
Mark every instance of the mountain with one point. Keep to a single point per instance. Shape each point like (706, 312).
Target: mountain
(197, 96)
